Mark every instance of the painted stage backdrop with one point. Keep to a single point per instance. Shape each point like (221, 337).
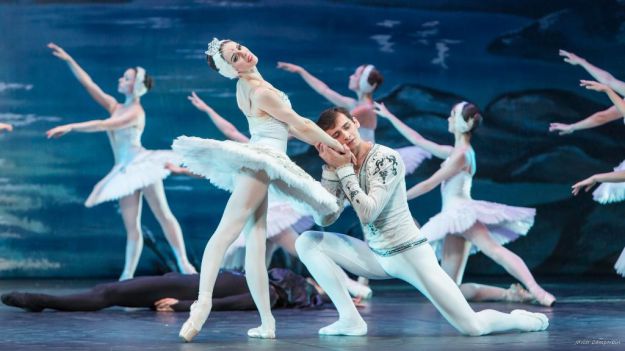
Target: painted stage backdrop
(502, 55)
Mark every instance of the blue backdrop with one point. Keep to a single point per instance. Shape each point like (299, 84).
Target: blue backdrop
(500, 55)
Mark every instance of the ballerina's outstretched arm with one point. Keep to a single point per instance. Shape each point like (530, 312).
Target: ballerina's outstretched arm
(596, 119)
(614, 97)
(104, 99)
(302, 128)
(440, 151)
(5, 127)
(455, 163)
(599, 74)
(590, 182)
(319, 86)
(225, 127)
(124, 120)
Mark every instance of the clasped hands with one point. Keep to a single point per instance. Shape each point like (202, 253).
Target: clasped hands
(333, 158)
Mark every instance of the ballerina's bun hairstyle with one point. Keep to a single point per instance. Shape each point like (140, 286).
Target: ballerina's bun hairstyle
(327, 118)
(375, 78)
(471, 114)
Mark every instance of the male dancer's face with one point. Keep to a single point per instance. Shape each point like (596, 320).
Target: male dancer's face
(345, 131)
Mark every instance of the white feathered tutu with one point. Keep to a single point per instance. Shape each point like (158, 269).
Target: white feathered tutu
(413, 156)
(505, 223)
(280, 216)
(144, 169)
(608, 193)
(222, 161)
(619, 266)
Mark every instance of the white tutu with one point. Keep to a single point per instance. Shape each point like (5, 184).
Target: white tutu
(146, 168)
(280, 216)
(413, 156)
(222, 161)
(505, 223)
(619, 266)
(610, 192)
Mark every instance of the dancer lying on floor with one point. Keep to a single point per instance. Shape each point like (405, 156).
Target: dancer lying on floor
(176, 292)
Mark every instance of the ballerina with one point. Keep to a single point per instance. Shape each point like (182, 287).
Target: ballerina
(612, 178)
(610, 192)
(250, 171)
(464, 225)
(283, 221)
(365, 80)
(137, 172)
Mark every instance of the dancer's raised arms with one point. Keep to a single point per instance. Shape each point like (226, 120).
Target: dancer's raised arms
(302, 128)
(599, 74)
(320, 87)
(104, 99)
(225, 127)
(590, 182)
(440, 151)
(454, 165)
(126, 119)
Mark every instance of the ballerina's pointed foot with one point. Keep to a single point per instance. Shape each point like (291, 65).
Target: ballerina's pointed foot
(193, 325)
(263, 332)
(535, 321)
(544, 298)
(357, 327)
(517, 293)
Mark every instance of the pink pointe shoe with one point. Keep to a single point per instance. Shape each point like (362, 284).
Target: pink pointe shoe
(193, 325)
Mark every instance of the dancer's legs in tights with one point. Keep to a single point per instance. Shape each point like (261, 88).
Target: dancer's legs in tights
(255, 270)
(286, 239)
(130, 207)
(418, 266)
(513, 264)
(456, 251)
(157, 201)
(324, 254)
(249, 193)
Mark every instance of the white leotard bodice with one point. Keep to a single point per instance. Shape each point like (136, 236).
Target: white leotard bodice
(126, 143)
(459, 186)
(268, 131)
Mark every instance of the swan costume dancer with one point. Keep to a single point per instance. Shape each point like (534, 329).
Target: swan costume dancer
(464, 221)
(365, 80)
(249, 171)
(137, 172)
(616, 178)
(608, 192)
(394, 247)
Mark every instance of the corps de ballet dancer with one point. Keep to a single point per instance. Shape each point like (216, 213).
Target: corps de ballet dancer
(608, 192)
(174, 292)
(137, 172)
(365, 80)
(465, 226)
(283, 221)
(612, 178)
(372, 179)
(250, 171)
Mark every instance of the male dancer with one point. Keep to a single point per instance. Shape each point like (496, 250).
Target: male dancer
(371, 177)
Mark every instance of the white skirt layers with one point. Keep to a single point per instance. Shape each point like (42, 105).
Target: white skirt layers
(505, 223)
(412, 156)
(143, 170)
(610, 192)
(222, 161)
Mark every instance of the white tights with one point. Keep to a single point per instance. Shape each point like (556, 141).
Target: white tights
(131, 206)
(245, 211)
(321, 252)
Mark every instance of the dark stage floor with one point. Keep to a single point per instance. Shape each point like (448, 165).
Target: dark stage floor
(590, 314)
